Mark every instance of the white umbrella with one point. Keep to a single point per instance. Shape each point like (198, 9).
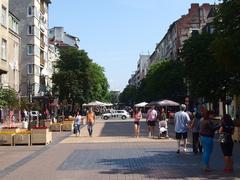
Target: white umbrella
(163, 103)
(142, 104)
(95, 103)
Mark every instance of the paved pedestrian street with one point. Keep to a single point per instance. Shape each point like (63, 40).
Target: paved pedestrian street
(112, 153)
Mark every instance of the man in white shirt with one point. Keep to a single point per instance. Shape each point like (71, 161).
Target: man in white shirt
(181, 120)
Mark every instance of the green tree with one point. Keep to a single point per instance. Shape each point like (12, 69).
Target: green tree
(129, 95)
(98, 83)
(206, 76)
(226, 45)
(114, 97)
(8, 98)
(78, 79)
(163, 81)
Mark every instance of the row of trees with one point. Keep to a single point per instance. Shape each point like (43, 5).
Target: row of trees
(208, 65)
(78, 79)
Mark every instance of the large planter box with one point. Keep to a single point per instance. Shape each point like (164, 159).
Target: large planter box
(13, 130)
(67, 126)
(55, 127)
(71, 118)
(41, 136)
(48, 123)
(6, 138)
(22, 139)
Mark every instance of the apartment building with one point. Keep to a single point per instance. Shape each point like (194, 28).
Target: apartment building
(141, 71)
(53, 57)
(12, 78)
(3, 38)
(58, 37)
(180, 30)
(10, 48)
(33, 30)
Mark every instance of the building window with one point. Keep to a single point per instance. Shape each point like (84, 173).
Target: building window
(30, 10)
(30, 30)
(13, 24)
(30, 68)
(4, 16)
(4, 49)
(30, 49)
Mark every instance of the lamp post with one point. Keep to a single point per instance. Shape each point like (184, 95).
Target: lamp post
(19, 103)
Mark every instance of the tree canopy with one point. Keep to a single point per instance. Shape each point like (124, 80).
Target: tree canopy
(226, 45)
(163, 80)
(77, 78)
(8, 98)
(207, 77)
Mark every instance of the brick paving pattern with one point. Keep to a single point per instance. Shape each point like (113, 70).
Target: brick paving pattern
(113, 153)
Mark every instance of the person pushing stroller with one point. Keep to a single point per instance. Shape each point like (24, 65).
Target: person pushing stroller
(162, 122)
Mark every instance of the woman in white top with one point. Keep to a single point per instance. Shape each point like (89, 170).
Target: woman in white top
(77, 123)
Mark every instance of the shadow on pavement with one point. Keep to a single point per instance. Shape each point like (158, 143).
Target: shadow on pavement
(168, 164)
(122, 129)
(127, 129)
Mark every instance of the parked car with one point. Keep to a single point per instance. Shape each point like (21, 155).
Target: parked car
(123, 114)
(34, 113)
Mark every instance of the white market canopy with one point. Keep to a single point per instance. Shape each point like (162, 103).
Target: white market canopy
(142, 104)
(165, 102)
(97, 103)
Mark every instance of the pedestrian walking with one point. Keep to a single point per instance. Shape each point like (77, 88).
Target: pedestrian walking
(181, 121)
(162, 124)
(77, 124)
(195, 128)
(151, 121)
(227, 129)
(137, 117)
(207, 130)
(90, 121)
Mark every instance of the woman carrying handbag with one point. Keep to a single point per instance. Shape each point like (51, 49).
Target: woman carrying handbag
(226, 142)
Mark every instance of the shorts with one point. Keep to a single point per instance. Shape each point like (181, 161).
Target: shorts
(151, 123)
(137, 123)
(181, 135)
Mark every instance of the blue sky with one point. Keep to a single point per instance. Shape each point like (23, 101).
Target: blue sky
(115, 32)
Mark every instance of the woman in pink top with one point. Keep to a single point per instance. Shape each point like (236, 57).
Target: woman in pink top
(137, 117)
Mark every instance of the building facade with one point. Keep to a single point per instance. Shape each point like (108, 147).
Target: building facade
(53, 57)
(10, 48)
(179, 31)
(198, 19)
(58, 37)
(3, 38)
(33, 30)
(14, 43)
(141, 72)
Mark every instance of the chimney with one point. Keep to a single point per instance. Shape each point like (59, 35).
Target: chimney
(193, 6)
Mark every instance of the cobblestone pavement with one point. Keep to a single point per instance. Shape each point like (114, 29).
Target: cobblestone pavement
(113, 153)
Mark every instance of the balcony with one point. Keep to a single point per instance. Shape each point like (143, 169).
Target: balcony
(42, 61)
(3, 67)
(42, 8)
(42, 44)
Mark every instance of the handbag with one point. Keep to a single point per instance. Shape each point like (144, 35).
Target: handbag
(222, 138)
(75, 129)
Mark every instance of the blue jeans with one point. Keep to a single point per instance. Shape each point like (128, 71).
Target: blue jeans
(90, 128)
(207, 145)
(78, 128)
